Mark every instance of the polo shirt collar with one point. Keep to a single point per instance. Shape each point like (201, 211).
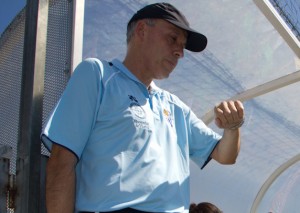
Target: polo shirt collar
(117, 63)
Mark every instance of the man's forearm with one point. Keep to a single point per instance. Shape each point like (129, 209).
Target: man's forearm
(228, 148)
(60, 181)
(60, 190)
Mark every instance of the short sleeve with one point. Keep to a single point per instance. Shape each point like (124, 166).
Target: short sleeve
(202, 140)
(73, 118)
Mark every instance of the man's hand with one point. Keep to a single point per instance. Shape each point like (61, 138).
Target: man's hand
(229, 115)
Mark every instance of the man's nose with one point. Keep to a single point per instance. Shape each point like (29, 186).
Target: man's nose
(179, 52)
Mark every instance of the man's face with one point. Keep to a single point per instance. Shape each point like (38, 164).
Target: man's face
(164, 44)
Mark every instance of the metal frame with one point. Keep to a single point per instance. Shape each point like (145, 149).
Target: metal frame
(276, 20)
(270, 180)
(4, 177)
(29, 145)
(272, 15)
(26, 191)
(77, 40)
(259, 90)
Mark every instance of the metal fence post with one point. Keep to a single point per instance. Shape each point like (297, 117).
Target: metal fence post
(29, 146)
(4, 174)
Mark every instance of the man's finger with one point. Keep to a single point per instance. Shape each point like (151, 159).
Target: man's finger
(219, 114)
(240, 109)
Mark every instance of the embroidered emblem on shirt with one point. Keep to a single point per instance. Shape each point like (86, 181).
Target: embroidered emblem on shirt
(169, 117)
(137, 110)
(139, 114)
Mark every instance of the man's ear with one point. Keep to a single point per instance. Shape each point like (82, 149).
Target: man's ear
(140, 29)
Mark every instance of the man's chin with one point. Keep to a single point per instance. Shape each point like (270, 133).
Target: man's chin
(163, 77)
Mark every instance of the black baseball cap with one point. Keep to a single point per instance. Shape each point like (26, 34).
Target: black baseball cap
(196, 42)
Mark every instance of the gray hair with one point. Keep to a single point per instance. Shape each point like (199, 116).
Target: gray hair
(131, 27)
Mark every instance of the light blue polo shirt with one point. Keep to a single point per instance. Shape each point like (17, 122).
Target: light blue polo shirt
(133, 145)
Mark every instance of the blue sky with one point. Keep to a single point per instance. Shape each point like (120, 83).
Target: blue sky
(8, 10)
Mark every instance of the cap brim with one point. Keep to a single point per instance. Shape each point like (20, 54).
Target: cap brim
(196, 42)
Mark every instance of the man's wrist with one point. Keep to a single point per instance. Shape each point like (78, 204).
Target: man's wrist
(237, 125)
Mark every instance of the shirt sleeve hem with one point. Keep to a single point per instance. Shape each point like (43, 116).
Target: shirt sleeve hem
(209, 157)
(48, 144)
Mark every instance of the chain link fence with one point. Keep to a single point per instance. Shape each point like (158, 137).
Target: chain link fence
(57, 73)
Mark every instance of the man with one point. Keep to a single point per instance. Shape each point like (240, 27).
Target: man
(121, 144)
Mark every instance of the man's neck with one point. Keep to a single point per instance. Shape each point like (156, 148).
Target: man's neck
(136, 68)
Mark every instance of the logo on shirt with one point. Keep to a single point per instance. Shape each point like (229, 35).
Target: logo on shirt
(169, 117)
(137, 110)
(139, 114)
(133, 99)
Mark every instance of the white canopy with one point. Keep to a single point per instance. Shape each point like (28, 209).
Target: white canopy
(246, 58)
